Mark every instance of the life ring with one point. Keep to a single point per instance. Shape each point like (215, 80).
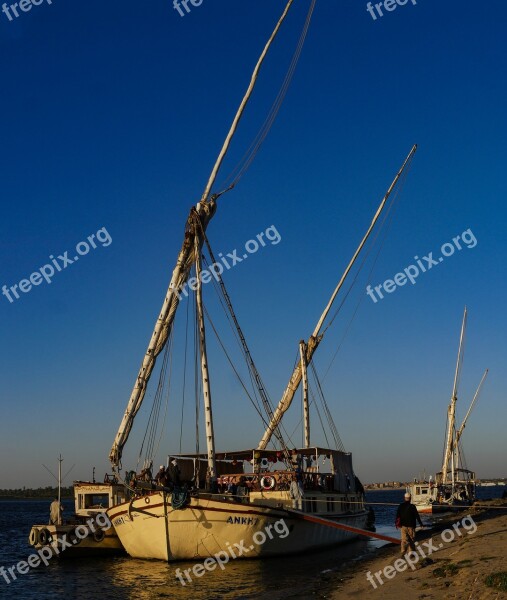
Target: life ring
(268, 482)
(44, 537)
(34, 537)
(147, 500)
(99, 535)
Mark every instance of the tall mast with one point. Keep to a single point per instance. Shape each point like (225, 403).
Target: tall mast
(451, 413)
(317, 334)
(206, 388)
(60, 460)
(205, 211)
(306, 407)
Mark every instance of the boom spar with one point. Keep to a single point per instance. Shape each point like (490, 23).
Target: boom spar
(317, 334)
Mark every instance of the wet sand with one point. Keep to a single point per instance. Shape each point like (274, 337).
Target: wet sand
(457, 570)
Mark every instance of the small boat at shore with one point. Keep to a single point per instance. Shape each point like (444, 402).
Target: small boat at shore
(454, 486)
(88, 531)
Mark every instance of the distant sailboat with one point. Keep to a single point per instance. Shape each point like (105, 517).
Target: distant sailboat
(454, 485)
(313, 489)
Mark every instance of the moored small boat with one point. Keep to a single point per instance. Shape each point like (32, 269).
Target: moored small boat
(88, 532)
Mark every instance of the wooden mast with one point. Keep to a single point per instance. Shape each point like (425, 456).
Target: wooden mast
(317, 334)
(451, 413)
(206, 387)
(60, 460)
(306, 406)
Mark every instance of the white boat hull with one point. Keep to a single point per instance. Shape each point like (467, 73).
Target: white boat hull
(107, 543)
(149, 528)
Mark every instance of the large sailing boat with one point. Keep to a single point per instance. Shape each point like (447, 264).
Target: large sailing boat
(454, 486)
(202, 512)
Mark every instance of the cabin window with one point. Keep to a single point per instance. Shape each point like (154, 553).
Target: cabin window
(418, 490)
(96, 501)
(424, 490)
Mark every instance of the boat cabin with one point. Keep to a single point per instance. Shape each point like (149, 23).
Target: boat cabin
(92, 498)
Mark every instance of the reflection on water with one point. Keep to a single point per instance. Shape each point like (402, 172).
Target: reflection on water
(272, 578)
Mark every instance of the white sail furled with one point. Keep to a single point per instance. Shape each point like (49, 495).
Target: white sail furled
(318, 334)
(186, 258)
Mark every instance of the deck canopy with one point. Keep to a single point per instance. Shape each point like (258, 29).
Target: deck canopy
(460, 475)
(339, 465)
(269, 454)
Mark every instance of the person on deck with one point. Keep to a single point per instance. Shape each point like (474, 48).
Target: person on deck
(55, 512)
(296, 493)
(242, 490)
(160, 476)
(232, 488)
(406, 518)
(174, 473)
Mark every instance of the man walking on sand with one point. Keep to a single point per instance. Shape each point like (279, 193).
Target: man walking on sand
(406, 518)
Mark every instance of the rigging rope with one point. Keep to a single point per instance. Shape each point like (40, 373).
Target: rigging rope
(242, 106)
(256, 406)
(334, 431)
(254, 373)
(252, 151)
(388, 217)
(155, 450)
(152, 426)
(320, 418)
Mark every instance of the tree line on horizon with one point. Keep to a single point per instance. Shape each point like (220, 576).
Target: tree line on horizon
(41, 492)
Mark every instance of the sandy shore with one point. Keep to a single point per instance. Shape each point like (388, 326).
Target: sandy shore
(456, 570)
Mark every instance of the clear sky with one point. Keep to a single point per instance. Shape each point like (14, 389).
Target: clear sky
(112, 115)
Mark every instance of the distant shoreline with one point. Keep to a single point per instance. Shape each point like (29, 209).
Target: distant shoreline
(50, 497)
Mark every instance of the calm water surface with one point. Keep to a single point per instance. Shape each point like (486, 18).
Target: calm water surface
(298, 577)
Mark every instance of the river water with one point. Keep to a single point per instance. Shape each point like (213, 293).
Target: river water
(297, 577)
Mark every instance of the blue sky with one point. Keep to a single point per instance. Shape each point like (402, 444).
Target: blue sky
(112, 116)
